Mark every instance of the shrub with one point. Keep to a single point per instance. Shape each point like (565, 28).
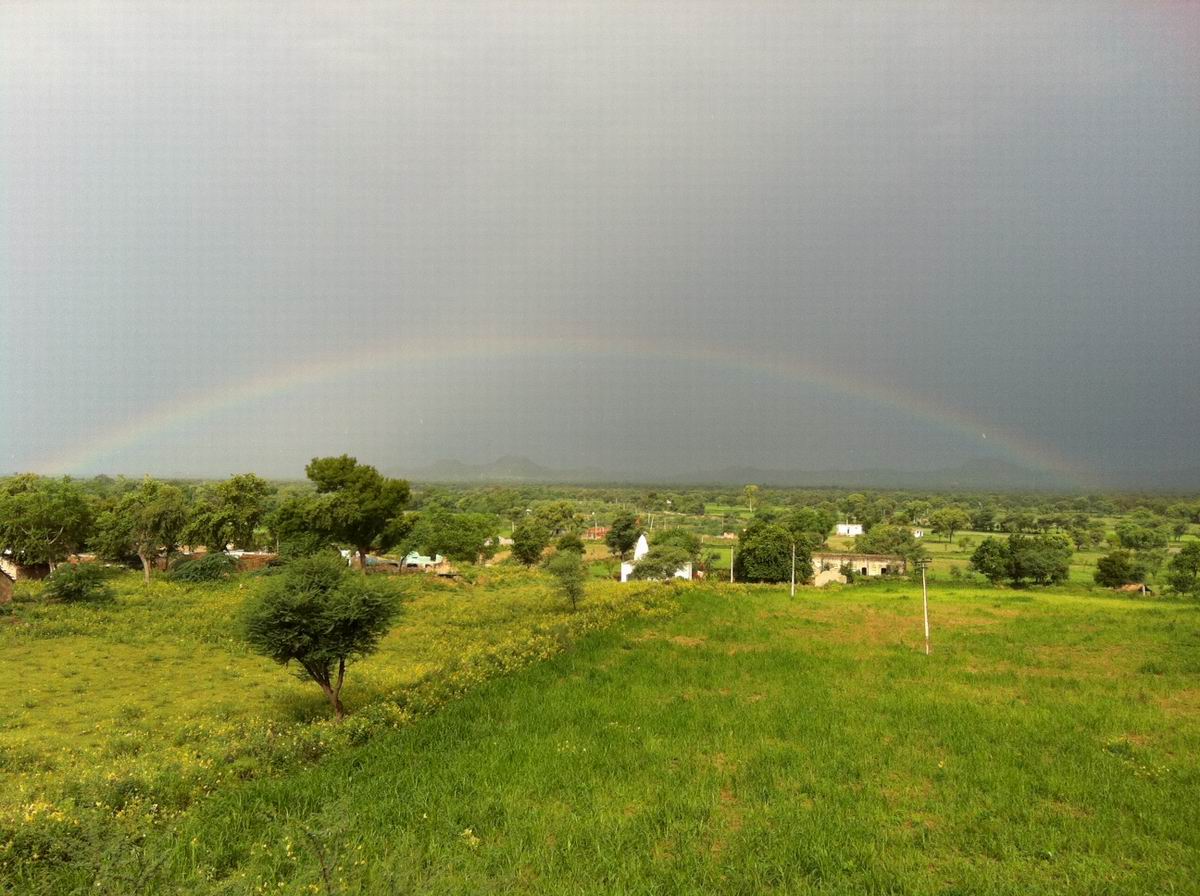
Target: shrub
(80, 583)
(209, 568)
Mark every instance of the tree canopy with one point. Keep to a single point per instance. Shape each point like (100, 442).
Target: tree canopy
(319, 615)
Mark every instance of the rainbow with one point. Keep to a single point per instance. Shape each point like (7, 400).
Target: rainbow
(186, 409)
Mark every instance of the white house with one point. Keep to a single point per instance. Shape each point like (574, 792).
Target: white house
(417, 560)
(640, 550)
(850, 529)
(918, 533)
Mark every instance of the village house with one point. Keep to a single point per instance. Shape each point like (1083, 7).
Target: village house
(849, 529)
(827, 566)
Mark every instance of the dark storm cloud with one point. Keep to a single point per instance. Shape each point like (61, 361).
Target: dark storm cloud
(994, 207)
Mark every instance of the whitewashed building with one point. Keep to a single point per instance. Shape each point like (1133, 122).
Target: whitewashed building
(849, 529)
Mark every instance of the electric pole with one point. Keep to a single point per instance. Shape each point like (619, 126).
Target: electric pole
(793, 569)
(922, 564)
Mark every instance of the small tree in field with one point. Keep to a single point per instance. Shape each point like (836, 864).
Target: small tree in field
(529, 538)
(320, 615)
(622, 534)
(568, 568)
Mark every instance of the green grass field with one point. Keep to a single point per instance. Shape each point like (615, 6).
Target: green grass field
(743, 742)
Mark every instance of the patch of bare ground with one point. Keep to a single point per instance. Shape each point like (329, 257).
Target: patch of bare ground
(687, 641)
(1111, 661)
(728, 819)
(1183, 702)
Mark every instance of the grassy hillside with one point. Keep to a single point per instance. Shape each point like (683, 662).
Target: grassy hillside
(747, 743)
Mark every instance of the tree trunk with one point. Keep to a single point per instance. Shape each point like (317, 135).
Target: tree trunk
(145, 566)
(334, 692)
(362, 560)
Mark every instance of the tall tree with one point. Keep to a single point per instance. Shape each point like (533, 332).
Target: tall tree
(146, 521)
(622, 534)
(43, 520)
(358, 505)
(764, 554)
(948, 520)
(229, 512)
(529, 538)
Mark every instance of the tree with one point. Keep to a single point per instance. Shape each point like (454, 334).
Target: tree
(1183, 572)
(569, 541)
(1135, 536)
(568, 568)
(299, 526)
(146, 521)
(622, 534)
(991, 560)
(358, 505)
(661, 563)
(558, 516)
(530, 538)
(751, 492)
(1040, 559)
(463, 537)
(43, 520)
(321, 616)
(1118, 568)
(685, 542)
(889, 539)
(764, 554)
(948, 520)
(229, 512)
(811, 520)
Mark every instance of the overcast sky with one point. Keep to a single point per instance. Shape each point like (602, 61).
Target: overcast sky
(983, 216)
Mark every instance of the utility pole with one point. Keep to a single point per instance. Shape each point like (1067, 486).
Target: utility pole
(731, 550)
(922, 563)
(793, 569)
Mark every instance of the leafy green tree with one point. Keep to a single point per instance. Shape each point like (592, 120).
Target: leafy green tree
(683, 540)
(358, 506)
(948, 520)
(1117, 568)
(764, 554)
(990, 559)
(530, 538)
(570, 542)
(622, 534)
(320, 616)
(1183, 572)
(559, 517)
(229, 512)
(298, 526)
(146, 521)
(1137, 536)
(43, 520)
(1040, 559)
(660, 563)
(810, 520)
(463, 537)
(890, 539)
(568, 568)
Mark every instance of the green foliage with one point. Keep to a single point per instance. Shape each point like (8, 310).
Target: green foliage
(807, 521)
(1117, 568)
(559, 517)
(1038, 559)
(299, 526)
(146, 521)
(463, 537)
(890, 539)
(764, 554)
(43, 520)
(355, 504)
(530, 537)
(208, 568)
(570, 542)
(622, 534)
(229, 511)
(78, 583)
(661, 563)
(948, 520)
(319, 615)
(569, 570)
(1183, 572)
(684, 541)
(1138, 536)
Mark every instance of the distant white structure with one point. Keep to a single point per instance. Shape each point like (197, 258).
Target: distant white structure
(918, 533)
(850, 529)
(640, 550)
(417, 560)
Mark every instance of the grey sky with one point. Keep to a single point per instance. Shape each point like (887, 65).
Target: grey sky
(994, 207)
